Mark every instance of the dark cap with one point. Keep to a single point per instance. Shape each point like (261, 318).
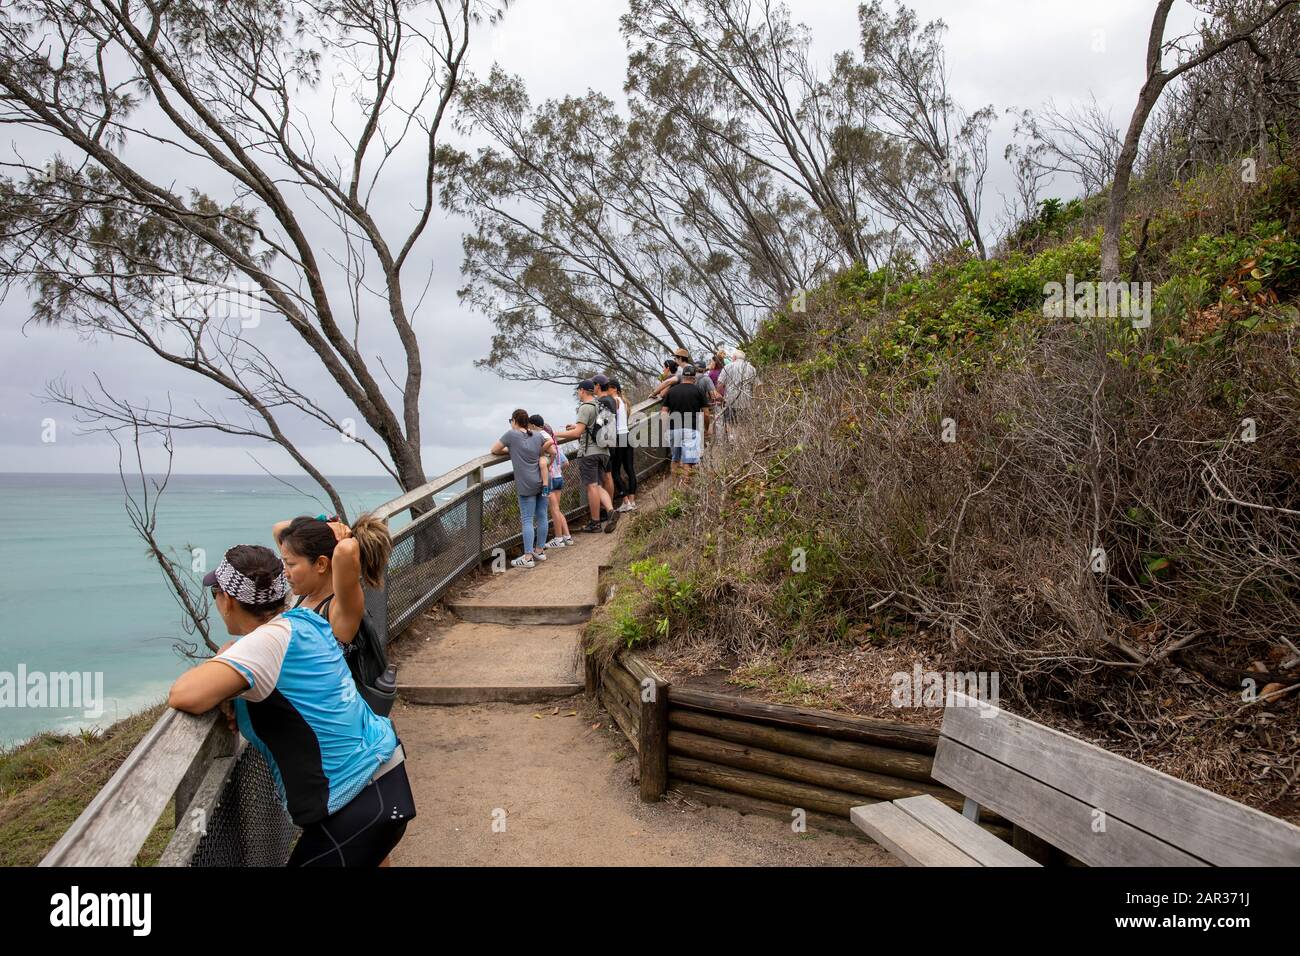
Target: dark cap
(601, 380)
(688, 371)
(587, 385)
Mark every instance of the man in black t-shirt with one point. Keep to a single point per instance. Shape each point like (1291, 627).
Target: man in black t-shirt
(685, 407)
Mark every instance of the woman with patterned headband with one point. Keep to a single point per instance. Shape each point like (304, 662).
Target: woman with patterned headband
(339, 769)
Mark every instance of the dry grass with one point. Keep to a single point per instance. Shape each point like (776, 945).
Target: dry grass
(841, 541)
(46, 783)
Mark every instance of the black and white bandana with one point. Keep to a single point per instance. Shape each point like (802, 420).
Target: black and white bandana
(242, 588)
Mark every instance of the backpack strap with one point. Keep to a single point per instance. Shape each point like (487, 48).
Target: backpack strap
(584, 443)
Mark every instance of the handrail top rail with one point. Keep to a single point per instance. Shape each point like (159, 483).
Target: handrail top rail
(115, 824)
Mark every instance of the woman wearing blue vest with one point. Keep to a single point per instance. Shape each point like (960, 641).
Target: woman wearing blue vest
(339, 769)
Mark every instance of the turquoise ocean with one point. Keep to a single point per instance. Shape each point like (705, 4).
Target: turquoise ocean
(78, 592)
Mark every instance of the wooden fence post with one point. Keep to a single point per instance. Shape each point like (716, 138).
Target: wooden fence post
(590, 673)
(654, 739)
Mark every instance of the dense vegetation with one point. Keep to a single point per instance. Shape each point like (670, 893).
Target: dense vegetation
(841, 539)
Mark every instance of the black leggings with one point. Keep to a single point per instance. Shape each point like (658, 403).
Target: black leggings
(364, 831)
(621, 460)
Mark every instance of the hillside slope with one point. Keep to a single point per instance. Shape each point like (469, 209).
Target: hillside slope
(946, 475)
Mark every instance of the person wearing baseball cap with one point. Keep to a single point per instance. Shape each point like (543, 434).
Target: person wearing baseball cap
(593, 460)
(702, 382)
(684, 407)
(334, 761)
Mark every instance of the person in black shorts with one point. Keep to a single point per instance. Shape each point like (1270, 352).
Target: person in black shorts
(339, 768)
(593, 460)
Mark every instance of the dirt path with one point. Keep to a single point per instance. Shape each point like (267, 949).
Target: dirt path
(500, 781)
(568, 800)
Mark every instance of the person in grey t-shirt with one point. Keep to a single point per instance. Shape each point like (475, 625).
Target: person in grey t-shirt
(531, 451)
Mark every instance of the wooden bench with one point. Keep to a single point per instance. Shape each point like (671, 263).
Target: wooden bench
(1100, 808)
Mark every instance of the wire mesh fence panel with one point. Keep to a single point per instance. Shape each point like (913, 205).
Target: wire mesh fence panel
(501, 527)
(572, 496)
(650, 446)
(428, 556)
(248, 826)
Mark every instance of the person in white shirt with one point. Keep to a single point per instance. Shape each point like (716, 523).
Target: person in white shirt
(736, 385)
(622, 455)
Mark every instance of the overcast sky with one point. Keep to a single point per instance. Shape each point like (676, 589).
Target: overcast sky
(1009, 53)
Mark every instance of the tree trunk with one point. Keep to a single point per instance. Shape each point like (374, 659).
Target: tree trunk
(1151, 91)
(1157, 80)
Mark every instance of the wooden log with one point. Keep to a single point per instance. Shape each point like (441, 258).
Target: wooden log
(765, 787)
(867, 730)
(222, 742)
(712, 796)
(885, 760)
(617, 709)
(186, 837)
(801, 769)
(590, 673)
(653, 746)
(615, 677)
(639, 669)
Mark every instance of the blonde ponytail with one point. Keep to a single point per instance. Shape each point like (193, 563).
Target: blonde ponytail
(375, 544)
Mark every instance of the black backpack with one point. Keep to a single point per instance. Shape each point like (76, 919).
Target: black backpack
(367, 660)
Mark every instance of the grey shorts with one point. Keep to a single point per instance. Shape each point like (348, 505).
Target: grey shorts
(592, 468)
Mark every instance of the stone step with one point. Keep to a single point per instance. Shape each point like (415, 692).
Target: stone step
(479, 694)
(472, 662)
(518, 615)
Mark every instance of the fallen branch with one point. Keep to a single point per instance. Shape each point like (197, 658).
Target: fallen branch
(1232, 499)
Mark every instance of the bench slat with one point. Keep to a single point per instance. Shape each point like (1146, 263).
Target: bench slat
(1214, 828)
(905, 837)
(1057, 817)
(968, 836)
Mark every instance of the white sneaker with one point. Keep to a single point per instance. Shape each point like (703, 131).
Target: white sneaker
(555, 543)
(523, 561)
(629, 506)
(568, 540)
(539, 555)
